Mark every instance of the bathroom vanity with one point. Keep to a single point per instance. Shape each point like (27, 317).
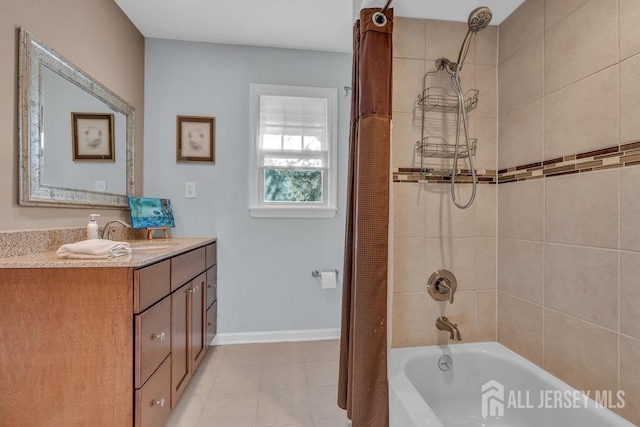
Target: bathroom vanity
(109, 342)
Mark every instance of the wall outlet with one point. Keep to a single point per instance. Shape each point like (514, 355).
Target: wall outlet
(189, 190)
(100, 186)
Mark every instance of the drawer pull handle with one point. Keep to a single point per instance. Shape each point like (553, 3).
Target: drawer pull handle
(161, 336)
(211, 324)
(158, 402)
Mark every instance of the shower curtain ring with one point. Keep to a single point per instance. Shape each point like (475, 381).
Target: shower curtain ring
(380, 18)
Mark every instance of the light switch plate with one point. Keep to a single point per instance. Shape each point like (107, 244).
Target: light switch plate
(189, 190)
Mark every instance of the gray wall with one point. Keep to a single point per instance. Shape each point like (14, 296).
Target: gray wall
(265, 265)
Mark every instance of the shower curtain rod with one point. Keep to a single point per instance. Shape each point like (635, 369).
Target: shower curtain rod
(386, 6)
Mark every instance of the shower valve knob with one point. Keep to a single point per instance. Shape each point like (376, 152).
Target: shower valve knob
(442, 285)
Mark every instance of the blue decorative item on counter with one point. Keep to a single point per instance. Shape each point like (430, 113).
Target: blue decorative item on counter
(148, 212)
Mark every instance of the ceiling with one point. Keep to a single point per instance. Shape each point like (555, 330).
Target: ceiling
(298, 24)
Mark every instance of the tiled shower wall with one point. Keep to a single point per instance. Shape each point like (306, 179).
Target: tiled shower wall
(429, 232)
(569, 246)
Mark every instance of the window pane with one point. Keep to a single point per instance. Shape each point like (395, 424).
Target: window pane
(289, 162)
(312, 143)
(285, 185)
(271, 141)
(292, 142)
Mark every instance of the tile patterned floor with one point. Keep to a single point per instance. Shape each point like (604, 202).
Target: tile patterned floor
(260, 385)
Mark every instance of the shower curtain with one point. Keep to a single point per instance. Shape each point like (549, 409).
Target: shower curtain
(363, 389)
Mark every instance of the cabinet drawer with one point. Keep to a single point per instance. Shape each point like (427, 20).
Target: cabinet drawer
(153, 400)
(212, 322)
(151, 284)
(186, 266)
(212, 285)
(153, 340)
(212, 254)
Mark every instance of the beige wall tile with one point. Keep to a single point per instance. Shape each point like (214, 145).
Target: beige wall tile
(454, 254)
(575, 49)
(573, 283)
(409, 320)
(583, 116)
(487, 85)
(409, 209)
(462, 313)
(443, 218)
(557, 10)
(630, 208)
(630, 293)
(520, 268)
(629, 378)
(580, 353)
(409, 38)
(521, 135)
(520, 210)
(521, 77)
(444, 39)
(405, 134)
(629, 100)
(407, 83)
(525, 24)
(583, 209)
(487, 148)
(629, 28)
(486, 309)
(487, 46)
(409, 272)
(520, 327)
(486, 263)
(486, 210)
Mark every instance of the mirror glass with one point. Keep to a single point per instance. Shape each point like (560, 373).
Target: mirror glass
(76, 136)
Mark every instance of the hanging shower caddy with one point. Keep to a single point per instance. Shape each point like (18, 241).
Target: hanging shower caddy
(439, 100)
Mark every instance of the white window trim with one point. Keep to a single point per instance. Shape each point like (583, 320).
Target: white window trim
(258, 210)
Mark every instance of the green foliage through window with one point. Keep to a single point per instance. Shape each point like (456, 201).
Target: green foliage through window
(287, 185)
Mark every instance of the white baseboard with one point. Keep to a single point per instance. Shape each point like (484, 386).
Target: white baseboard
(276, 336)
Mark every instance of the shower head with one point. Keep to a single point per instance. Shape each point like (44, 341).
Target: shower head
(479, 19)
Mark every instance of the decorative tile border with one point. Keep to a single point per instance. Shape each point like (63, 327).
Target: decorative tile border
(463, 176)
(616, 156)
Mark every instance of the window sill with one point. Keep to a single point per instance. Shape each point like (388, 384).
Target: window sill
(291, 212)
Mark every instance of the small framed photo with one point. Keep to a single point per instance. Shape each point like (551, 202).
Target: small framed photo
(195, 139)
(92, 137)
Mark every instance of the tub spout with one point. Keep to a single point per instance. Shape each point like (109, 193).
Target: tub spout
(444, 324)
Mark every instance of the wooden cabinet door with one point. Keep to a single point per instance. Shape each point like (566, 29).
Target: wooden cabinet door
(181, 366)
(198, 319)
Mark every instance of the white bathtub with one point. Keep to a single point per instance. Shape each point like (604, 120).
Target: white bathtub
(421, 394)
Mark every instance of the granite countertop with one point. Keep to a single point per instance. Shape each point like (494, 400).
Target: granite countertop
(145, 252)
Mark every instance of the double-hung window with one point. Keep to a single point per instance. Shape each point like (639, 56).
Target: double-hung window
(292, 171)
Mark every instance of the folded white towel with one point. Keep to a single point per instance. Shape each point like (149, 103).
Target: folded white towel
(94, 249)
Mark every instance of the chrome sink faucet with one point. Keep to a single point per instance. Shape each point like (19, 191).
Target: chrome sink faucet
(108, 229)
(444, 324)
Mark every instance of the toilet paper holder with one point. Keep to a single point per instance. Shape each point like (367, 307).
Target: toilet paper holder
(316, 273)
